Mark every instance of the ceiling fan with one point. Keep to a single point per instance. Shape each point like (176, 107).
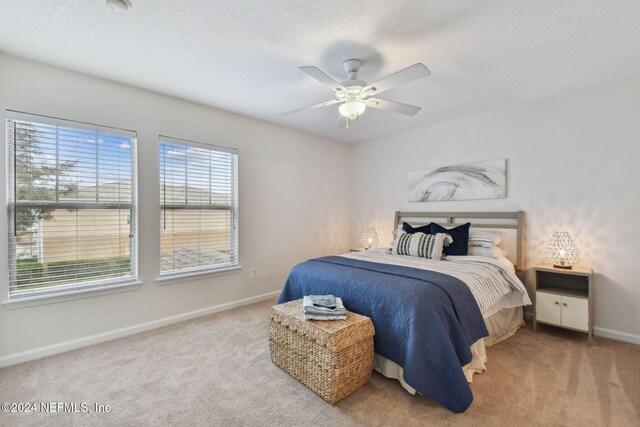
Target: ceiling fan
(354, 96)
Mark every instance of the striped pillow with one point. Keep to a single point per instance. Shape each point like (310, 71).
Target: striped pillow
(486, 238)
(421, 244)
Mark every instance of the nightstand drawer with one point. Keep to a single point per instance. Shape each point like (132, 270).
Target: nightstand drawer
(575, 313)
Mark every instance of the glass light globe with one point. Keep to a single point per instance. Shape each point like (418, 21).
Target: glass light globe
(369, 238)
(561, 250)
(352, 109)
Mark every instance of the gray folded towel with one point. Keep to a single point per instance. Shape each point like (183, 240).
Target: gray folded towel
(310, 307)
(312, 312)
(317, 310)
(325, 301)
(336, 312)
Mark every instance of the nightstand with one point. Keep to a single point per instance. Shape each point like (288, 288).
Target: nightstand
(564, 298)
(357, 250)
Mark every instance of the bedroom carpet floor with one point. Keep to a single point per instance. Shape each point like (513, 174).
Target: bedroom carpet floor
(216, 370)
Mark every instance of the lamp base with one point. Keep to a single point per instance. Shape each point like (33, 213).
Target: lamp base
(564, 267)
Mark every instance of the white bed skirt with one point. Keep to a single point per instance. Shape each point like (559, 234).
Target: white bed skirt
(500, 325)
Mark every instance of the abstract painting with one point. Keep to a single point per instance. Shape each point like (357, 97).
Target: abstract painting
(480, 180)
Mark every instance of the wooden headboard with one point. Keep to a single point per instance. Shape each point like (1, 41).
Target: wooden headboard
(513, 221)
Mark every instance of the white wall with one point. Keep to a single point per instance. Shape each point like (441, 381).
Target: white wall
(292, 187)
(572, 165)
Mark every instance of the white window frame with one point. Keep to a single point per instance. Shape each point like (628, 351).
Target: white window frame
(71, 291)
(186, 274)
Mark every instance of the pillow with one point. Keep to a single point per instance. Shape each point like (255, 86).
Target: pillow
(379, 250)
(396, 233)
(486, 238)
(460, 236)
(421, 245)
(422, 229)
(492, 252)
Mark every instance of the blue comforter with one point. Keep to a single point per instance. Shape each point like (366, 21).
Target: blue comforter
(424, 321)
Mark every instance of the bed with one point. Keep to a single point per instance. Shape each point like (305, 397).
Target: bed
(433, 318)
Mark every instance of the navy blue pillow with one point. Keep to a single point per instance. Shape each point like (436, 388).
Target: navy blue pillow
(460, 236)
(426, 229)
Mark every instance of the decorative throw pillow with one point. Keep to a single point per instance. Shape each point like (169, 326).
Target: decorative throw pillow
(486, 238)
(422, 229)
(421, 245)
(460, 236)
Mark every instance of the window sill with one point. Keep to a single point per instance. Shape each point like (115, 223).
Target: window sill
(187, 277)
(35, 300)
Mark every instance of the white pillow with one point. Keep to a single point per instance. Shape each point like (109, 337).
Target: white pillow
(486, 238)
(492, 252)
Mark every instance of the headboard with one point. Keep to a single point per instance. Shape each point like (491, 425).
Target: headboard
(511, 222)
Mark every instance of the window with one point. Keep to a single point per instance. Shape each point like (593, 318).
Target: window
(71, 205)
(199, 207)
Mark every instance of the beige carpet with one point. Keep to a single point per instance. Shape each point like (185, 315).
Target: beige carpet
(216, 370)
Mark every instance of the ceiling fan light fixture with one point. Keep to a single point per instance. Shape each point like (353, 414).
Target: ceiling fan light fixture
(352, 109)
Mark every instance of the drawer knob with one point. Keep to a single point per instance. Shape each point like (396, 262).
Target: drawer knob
(557, 303)
(564, 303)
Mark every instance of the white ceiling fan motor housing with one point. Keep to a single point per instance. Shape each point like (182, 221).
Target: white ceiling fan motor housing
(351, 67)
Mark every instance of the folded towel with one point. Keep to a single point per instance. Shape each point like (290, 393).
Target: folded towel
(308, 306)
(337, 312)
(324, 310)
(312, 312)
(312, 317)
(325, 301)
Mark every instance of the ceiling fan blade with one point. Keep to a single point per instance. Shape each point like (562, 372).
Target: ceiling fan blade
(409, 74)
(310, 107)
(396, 107)
(322, 77)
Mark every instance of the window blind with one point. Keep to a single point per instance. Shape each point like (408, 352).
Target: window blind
(71, 205)
(199, 207)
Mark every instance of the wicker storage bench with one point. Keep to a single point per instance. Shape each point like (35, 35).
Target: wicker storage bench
(333, 358)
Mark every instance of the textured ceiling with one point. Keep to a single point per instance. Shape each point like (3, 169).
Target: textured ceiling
(243, 56)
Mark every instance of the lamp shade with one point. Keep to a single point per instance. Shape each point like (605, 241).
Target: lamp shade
(561, 250)
(369, 238)
(352, 109)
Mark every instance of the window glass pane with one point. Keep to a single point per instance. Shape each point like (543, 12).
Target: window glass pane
(71, 206)
(198, 195)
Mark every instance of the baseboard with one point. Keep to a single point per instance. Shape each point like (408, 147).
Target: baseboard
(616, 335)
(37, 353)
